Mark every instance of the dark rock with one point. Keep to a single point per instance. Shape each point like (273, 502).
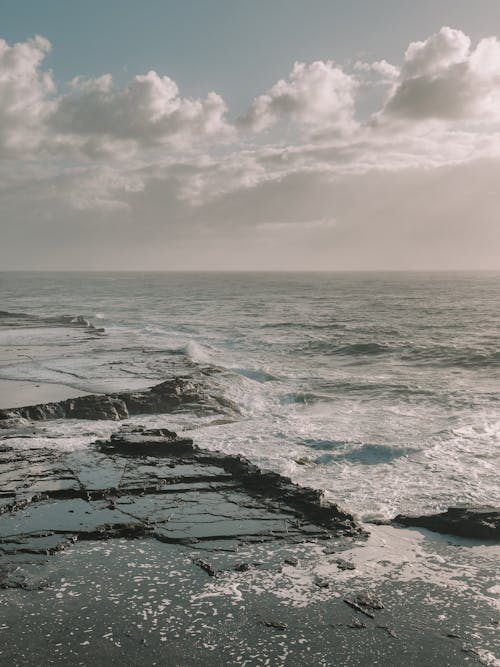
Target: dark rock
(279, 625)
(343, 564)
(95, 407)
(380, 522)
(473, 522)
(304, 462)
(365, 602)
(368, 600)
(185, 541)
(354, 605)
(170, 396)
(151, 484)
(357, 623)
(291, 560)
(389, 630)
(83, 407)
(321, 582)
(310, 503)
(242, 567)
(137, 440)
(206, 567)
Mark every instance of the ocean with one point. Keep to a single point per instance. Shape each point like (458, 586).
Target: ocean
(383, 389)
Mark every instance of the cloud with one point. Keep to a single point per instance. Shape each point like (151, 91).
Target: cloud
(365, 196)
(96, 118)
(413, 218)
(25, 94)
(147, 112)
(319, 95)
(380, 72)
(443, 79)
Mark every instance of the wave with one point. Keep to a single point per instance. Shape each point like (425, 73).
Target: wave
(364, 349)
(256, 374)
(195, 352)
(304, 326)
(26, 319)
(5, 314)
(396, 390)
(438, 355)
(366, 454)
(452, 356)
(325, 444)
(304, 398)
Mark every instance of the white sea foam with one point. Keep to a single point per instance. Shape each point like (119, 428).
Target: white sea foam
(381, 390)
(196, 351)
(65, 435)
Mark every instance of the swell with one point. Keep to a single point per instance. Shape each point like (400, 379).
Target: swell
(437, 355)
(304, 326)
(25, 320)
(451, 356)
(330, 392)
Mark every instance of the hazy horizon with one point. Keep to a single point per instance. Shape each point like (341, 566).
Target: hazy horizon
(258, 271)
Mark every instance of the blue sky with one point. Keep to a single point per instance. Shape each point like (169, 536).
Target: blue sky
(255, 134)
(237, 47)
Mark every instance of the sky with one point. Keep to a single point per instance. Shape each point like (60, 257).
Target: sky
(249, 135)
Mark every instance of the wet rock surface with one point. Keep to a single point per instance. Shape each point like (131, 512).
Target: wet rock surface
(145, 549)
(481, 523)
(153, 484)
(175, 395)
(133, 602)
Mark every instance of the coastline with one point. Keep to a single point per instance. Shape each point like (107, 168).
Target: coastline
(147, 549)
(135, 546)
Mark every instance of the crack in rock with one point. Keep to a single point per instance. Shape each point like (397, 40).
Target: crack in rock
(166, 489)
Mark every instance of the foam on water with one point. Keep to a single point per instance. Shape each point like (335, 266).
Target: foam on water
(383, 390)
(196, 352)
(66, 435)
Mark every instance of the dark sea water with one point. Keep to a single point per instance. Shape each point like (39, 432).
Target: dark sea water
(382, 389)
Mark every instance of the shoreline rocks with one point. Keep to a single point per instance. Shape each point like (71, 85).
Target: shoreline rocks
(181, 393)
(153, 484)
(481, 523)
(172, 395)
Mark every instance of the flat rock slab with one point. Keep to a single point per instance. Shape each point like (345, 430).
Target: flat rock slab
(152, 484)
(145, 549)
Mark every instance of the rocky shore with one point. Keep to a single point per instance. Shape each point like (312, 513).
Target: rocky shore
(145, 549)
(180, 393)
(154, 484)
(170, 396)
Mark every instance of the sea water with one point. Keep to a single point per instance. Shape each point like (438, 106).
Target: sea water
(381, 389)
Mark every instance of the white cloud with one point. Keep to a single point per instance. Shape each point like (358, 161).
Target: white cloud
(316, 96)
(96, 118)
(147, 112)
(25, 95)
(380, 71)
(359, 197)
(436, 54)
(443, 79)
